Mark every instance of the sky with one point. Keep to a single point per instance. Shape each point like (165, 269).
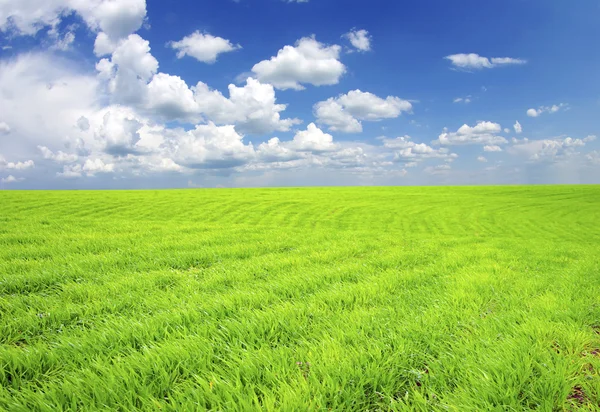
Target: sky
(126, 94)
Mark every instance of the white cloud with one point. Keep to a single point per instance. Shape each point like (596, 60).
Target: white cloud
(4, 128)
(308, 62)
(252, 108)
(589, 138)
(132, 79)
(28, 164)
(11, 179)
(484, 133)
(344, 112)
(518, 128)
(129, 69)
(407, 150)
(117, 18)
(63, 43)
(481, 159)
(475, 61)
(313, 139)
(43, 95)
(546, 149)
(465, 100)
(359, 39)
(60, 156)
(209, 147)
(492, 148)
(203, 47)
(104, 45)
(547, 109)
(91, 167)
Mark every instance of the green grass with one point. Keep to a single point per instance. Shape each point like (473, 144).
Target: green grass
(433, 299)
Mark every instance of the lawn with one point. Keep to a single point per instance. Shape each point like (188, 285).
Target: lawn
(343, 299)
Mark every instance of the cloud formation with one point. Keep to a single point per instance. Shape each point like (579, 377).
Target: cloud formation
(204, 47)
(547, 109)
(359, 39)
(345, 112)
(308, 62)
(476, 62)
(484, 133)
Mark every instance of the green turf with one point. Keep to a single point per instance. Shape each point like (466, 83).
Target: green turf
(459, 299)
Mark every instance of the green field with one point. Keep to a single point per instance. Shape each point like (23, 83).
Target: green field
(353, 299)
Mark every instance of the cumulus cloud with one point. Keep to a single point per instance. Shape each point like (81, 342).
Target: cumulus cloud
(313, 139)
(28, 164)
(308, 62)
(253, 108)
(546, 149)
(477, 62)
(547, 109)
(518, 128)
(481, 159)
(344, 113)
(492, 148)
(60, 156)
(117, 18)
(404, 149)
(48, 89)
(485, 133)
(359, 39)
(133, 79)
(204, 47)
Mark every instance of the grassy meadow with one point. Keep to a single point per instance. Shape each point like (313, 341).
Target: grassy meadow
(342, 299)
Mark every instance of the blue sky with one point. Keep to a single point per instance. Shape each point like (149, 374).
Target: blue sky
(148, 93)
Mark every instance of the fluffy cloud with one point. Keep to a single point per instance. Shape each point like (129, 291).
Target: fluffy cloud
(48, 89)
(518, 128)
(308, 62)
(313, 139)
(359, 39)
(344, 113)
(547, 109)
(492, 148)
(475, 61)
(59, 157)
(117, 18)
(203, 47)
(481, 159)
(484, 133)
(4, 128)
(132, 79)
(408, 151)
(252, 108)
(210, 147)
(546, 149)
(28, 164)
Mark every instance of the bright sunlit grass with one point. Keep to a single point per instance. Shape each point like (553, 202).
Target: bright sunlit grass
(301, 299)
